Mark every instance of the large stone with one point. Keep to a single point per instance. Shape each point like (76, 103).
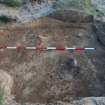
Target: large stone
(99, 28)
(6, 84)
(93, 101)
(71, 16)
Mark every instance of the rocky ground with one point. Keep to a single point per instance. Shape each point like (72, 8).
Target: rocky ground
(27, 11)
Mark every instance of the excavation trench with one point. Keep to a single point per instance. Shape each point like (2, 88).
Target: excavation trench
(52, 79)
(49, 76)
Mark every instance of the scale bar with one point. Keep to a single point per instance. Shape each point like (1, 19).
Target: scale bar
(48, 48)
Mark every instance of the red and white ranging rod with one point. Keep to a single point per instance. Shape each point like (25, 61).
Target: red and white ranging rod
(42, 48)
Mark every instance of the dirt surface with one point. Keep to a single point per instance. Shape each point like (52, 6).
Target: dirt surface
(46, 77)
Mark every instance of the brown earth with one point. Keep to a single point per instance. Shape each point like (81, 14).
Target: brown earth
(41, 77)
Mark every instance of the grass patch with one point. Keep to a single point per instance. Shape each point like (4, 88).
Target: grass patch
(13, 3)
(92, 10)
(2, 100)
(4, 19)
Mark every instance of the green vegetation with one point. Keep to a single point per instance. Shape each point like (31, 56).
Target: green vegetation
(2, 101)
(14, 3)
(4, 19)
(90, 9)
(77, 4)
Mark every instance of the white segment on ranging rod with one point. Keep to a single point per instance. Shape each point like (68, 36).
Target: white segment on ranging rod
(89, 48)
(67, 48)
(11, 47)
(31, 48)
(51, 48)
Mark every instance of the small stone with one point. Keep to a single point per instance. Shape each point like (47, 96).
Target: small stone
(80, 35)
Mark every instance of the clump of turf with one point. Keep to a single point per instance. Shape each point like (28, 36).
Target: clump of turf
(13, 3)
(5, 19)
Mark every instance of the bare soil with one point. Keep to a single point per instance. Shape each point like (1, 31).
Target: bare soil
(40, 77)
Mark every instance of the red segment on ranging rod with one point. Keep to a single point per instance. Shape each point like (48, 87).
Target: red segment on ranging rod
(40, 47)
(3, 46)
(60, 48)
(19, 47)
(80, 49)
